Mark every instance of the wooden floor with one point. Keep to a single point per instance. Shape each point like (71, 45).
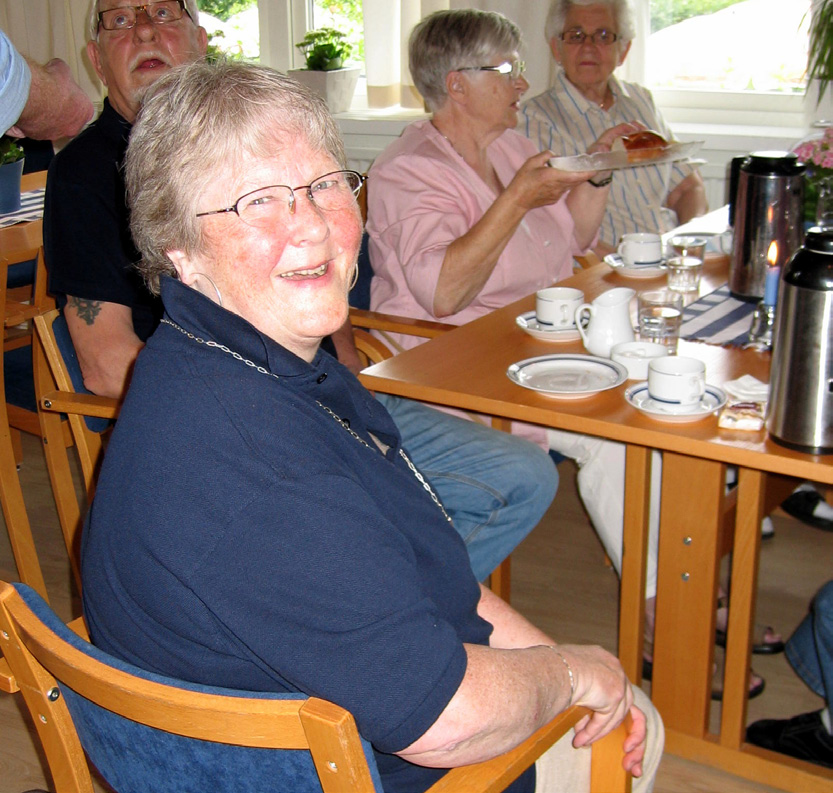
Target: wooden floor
(559, 581)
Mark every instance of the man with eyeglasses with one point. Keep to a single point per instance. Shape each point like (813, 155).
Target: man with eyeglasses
(89, 252)
(589, 39)
(495, 486)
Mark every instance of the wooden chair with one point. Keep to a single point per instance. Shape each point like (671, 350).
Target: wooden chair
(63, 400)
(11, 496)
(146, 733)
(21, 249)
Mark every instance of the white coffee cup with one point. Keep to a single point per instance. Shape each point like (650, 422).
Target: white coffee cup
(641, 248)
(555, 307)
(676, 383)
(636, 355)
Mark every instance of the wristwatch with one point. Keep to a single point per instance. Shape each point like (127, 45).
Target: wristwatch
(603, 182)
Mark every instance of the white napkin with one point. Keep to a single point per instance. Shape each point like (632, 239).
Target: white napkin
(747, 389)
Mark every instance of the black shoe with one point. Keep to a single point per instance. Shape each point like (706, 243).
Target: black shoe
(802, 504)
(717, 691)
(804, 737)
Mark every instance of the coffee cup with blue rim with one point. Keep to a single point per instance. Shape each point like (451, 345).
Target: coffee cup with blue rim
(641, 249)
(676, 384)
(555, 307)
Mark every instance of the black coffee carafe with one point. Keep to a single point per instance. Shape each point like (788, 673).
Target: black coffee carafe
(767, 205)
(800, 407)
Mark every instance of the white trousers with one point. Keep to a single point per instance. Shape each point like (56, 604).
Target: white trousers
(563, 769)
(601, 485)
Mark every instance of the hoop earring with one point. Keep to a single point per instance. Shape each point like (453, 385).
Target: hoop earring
(355, 278)
(213, 286)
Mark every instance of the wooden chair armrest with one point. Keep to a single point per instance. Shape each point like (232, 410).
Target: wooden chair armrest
(15, 313)
(80, 404)
(493, 776)
(8, 684)
(375, 320)
(370, 347)
(588, 259)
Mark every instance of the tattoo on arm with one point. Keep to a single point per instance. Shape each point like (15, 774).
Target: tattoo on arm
(87, 310)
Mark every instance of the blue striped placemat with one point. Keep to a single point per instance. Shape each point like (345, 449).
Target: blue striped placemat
(31, 208)
(718, 318)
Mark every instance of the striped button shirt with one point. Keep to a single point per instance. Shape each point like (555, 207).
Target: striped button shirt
(563, 121)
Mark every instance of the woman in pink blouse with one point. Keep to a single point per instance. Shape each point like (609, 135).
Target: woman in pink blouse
(465, 215)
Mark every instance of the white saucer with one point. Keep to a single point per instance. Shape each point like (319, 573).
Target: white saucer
(529, 324)
(637, 396)
(615, 262)
(567, 375)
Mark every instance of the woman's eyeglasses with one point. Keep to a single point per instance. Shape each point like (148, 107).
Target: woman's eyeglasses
(578, 36)
(512, 69)
(269, 205)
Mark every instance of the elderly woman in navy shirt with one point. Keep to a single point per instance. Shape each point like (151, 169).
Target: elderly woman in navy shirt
(257, 523)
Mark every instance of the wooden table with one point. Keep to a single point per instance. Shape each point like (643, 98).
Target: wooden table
(466, 368)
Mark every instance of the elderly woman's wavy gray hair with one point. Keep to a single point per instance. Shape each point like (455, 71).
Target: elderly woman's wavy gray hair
(448, 40)
(197, 124)
(622, 14)
(95, 7)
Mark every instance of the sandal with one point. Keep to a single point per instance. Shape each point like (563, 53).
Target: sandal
(760, 645)
(756, 682)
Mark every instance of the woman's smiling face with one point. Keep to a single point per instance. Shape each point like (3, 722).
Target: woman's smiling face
(289, 280)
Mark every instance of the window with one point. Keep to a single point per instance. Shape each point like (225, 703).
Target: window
(232, 27)
(723, 62)
(728, 45)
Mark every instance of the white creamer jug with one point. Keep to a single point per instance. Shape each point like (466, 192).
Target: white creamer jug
(606, 321)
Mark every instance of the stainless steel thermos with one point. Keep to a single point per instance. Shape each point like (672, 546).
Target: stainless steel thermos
(800, 406)
(767, 205)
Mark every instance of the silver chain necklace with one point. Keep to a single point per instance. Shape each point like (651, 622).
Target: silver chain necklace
(237, 356)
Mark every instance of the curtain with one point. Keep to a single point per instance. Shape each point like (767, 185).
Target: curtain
(387, 25)
(46, 29)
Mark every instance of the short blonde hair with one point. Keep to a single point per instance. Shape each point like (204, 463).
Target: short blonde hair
(449, 40)
(196, 124)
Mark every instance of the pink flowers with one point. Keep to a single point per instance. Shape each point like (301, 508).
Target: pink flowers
(818, 152)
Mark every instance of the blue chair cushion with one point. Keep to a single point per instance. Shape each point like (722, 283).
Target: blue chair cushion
(360, 293)
(19, 380)
(134, 758)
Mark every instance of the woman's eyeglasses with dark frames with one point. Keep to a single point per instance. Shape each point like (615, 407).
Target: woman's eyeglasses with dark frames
(578, 36)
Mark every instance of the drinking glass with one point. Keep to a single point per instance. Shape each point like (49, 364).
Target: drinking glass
(689, 245)
(660, 314)
(684, 273)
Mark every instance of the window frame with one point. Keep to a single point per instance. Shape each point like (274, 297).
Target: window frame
(744, 108)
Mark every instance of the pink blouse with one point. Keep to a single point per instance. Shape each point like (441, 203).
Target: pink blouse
(422, 196)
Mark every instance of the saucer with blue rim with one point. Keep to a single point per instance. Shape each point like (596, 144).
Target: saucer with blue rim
(617, 264)
(637, 396)
(529, 324)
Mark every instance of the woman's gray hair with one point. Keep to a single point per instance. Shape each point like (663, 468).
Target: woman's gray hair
(448, 40)
(622, 15)
(196, 126)
(92, 21)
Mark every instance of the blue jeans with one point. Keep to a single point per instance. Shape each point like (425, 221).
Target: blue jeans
(810, 648)
(494, 486)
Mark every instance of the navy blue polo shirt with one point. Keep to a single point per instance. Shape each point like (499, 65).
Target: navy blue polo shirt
(86, 234)
(242, 537)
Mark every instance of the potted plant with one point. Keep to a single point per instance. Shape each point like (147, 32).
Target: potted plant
(11, 169)
(325, 51)
(820, 49)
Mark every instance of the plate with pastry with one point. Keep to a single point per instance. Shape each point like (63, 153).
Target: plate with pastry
(645, 147)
